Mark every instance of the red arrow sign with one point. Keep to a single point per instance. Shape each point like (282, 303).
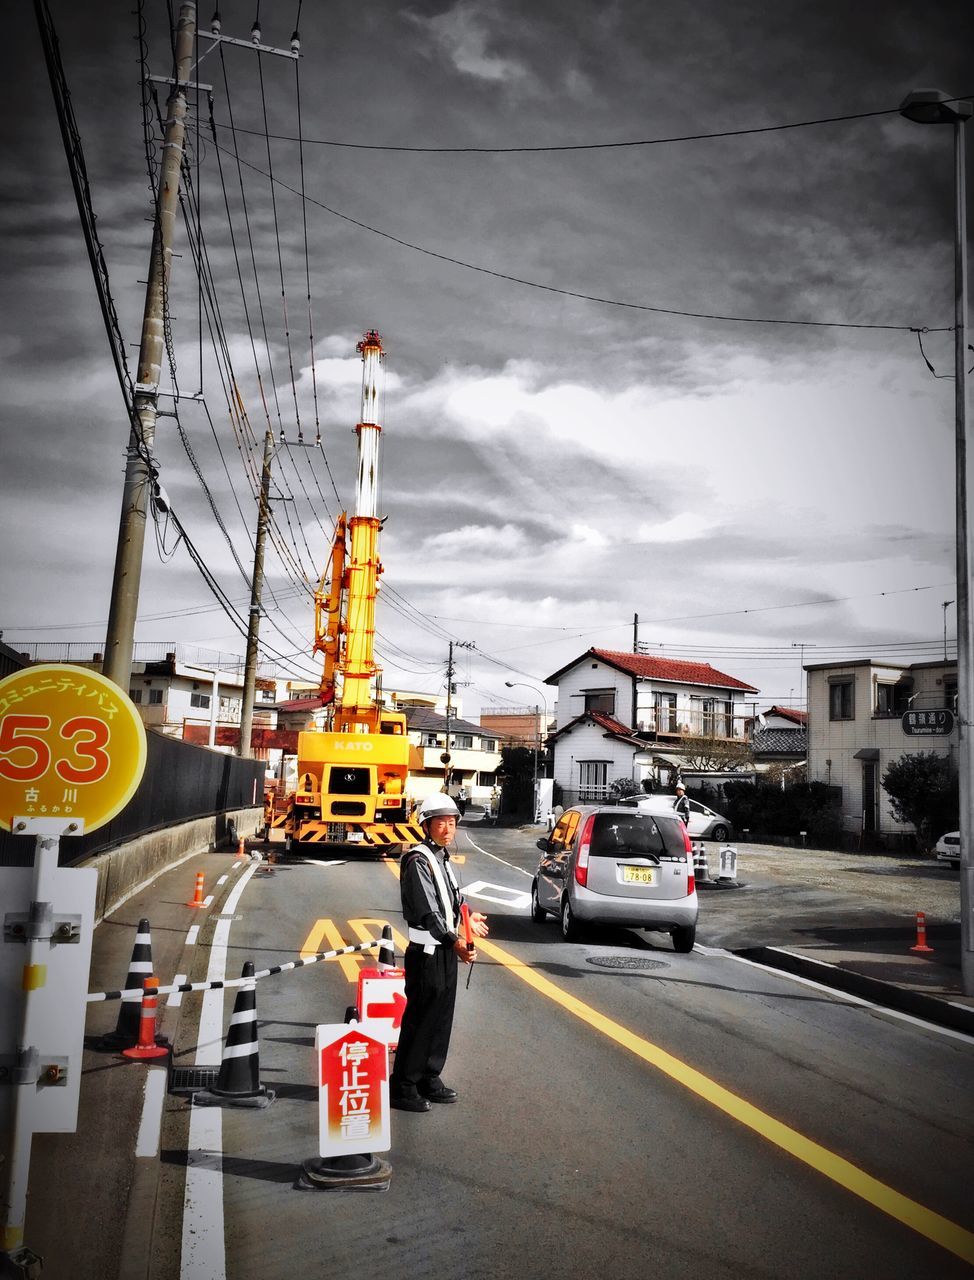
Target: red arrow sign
(394, 1010)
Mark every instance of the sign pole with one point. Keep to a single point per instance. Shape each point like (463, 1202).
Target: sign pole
(26, 1070)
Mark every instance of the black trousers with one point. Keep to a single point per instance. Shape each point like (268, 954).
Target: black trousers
(424, 1038)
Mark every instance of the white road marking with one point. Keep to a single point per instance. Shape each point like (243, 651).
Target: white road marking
(847, 996)
(496, 859)
(150, 1126)
(513, 898)
(203, 1248)
(208, 900)
(176, 998)
(223, 880)
(319, 862)
(193, 934)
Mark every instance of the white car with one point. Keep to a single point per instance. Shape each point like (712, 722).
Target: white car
(948, 848)
(704, 823)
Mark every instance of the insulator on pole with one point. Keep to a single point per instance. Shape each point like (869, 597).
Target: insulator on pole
(216, 23)
(255, 33)
(295, 42)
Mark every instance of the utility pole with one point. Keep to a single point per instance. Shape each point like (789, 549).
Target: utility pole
(449, 716)
(256, 588)
(459, 644)
(139, 467)
(635, 633)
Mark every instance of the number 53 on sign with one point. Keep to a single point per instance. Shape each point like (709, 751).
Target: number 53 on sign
(72, 745)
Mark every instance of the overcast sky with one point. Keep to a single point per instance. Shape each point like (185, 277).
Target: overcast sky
(551, 465)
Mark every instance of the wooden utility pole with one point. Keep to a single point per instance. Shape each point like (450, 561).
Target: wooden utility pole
(139, 477)
(256, 588)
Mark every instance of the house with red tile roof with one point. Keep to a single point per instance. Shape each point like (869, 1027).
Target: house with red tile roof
(628, 715)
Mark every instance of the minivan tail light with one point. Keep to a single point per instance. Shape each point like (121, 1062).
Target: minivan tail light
(688, 847)
(584, 848)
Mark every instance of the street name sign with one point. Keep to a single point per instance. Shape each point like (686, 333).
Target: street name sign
(921, 724)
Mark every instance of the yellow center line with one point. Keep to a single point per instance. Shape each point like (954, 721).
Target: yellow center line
(949, 1235)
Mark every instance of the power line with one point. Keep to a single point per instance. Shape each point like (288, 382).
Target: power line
(582, 146)
(574, 293)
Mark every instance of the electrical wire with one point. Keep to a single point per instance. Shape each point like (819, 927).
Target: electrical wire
(590, 297)
(549, 148)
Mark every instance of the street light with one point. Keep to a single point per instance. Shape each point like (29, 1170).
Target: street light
(930, 106)
(515, 684)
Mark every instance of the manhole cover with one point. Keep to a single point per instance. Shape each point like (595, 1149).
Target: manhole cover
(625, 962)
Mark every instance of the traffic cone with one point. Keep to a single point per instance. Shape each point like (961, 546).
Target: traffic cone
(198, 896)
(921, 942)
(387, 950)
(701, 871)
(238, 1083)
(241, 849)
(140, 967)
(147, 1046)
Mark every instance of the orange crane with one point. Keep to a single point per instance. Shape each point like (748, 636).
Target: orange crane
(352, 775)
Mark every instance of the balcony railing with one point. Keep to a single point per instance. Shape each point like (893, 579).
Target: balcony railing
(678, 723)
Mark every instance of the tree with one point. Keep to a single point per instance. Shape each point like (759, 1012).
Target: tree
(622, 787)
(703, 754)
(922, 792)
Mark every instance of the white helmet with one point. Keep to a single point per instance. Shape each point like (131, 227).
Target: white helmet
(436, 806)
(680, 787)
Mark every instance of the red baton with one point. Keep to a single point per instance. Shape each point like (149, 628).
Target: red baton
(468, 936)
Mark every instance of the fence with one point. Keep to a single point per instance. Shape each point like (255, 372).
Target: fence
(181, 782)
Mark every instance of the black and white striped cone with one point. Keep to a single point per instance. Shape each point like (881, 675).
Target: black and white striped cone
(387, 950)
(701, 871)
(126, 1033)
(238, 1083)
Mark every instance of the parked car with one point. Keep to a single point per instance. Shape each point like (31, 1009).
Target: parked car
(948, 848)
(612, 864)
(704, 823)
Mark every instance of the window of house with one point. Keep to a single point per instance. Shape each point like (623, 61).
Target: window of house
(429, 740)
(155, 697)
(268, 695)
(841, 700)
(463, 742)
(950, 692)
(603, 700)
(135, 695)
(893, 699)
(199, 700)
(664, 707)
(593, 778)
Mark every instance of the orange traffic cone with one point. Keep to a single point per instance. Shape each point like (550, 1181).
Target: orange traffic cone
(198, 896)
(241, 849)
(921, 942)
(147, 1045)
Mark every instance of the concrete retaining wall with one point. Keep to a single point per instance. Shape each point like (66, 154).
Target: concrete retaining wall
(126, 869)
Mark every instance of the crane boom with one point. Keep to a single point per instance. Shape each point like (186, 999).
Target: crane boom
(352, 775)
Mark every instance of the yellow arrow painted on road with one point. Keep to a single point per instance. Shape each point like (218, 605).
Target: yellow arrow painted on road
(942, 1231)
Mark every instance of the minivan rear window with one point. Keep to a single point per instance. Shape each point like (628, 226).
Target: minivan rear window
(636, 833)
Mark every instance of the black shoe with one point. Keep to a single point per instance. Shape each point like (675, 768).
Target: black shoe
(408, 1102)
(437, 1091)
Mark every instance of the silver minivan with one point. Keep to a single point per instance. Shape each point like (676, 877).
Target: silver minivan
(608, 864)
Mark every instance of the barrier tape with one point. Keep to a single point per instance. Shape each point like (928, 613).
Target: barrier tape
(135, 993)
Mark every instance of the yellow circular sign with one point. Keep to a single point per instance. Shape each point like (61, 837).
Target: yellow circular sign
(72, 745)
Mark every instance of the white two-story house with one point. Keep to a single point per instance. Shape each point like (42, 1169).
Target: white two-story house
(856, 729)
(627, 715)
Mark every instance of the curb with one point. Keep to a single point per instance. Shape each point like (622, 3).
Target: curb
(941, 1012)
